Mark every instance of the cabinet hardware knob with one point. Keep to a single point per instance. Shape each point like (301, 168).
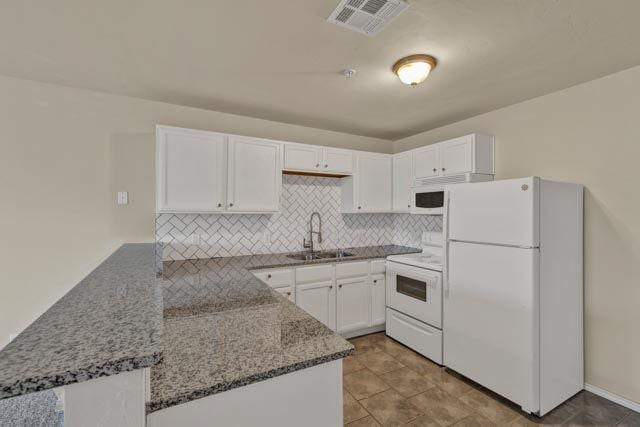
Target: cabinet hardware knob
(330, 287)
(326, 166)
(359, 207)
(317, 165)
(230, 204)
(435, 170)
(375, 281)
(288, 294)
(219, 205)
(268, 276)
(339, 286)
(443, 169)
(408, 206)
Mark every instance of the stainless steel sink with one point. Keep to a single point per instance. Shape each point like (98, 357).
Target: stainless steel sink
(304, 256)
(334, 254)
(310, 256)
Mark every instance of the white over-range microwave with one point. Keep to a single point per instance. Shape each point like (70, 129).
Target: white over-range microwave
(429, 197)
(428, 200)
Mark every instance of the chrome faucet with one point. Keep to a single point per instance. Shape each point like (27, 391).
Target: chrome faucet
(309, 244)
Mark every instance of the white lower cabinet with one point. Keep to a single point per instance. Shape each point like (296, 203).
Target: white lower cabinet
(378, 299)
(276, 277)
(289, 293)
(319, 300)
(348, 297)
(353, 304)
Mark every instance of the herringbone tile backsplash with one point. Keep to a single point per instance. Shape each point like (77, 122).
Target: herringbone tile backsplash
(230, 235)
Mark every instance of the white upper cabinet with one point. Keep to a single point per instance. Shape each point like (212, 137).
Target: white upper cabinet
(320, 160)
(402, 177)
(426, 162)
(467, 154)
(254, 175)
(456, 156)
(337, 161)
(370, 188)
(208, 172)
(190, 170)
(302, 157)
(374, 183)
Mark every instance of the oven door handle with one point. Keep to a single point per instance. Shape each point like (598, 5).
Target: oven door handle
(408, 323)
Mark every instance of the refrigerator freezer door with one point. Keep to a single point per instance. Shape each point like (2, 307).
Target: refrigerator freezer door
(490, 324)
(500, 212)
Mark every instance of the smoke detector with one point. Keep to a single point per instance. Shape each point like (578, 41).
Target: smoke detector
(366, 16)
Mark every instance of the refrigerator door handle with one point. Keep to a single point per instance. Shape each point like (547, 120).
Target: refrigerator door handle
(445, 226)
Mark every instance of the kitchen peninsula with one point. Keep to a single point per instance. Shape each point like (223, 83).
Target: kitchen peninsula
(182, 338)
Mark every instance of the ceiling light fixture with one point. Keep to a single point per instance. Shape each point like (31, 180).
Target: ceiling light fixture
(414, 69)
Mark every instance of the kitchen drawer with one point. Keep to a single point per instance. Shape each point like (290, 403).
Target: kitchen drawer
(351, 269)
(276, 278)
(288, 292)
(416, 335)
(378, 266)
(315, 273)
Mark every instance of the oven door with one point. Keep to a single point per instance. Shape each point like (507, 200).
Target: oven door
(416, 292)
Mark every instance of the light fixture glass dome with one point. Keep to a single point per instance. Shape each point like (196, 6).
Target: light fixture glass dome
(413, 70)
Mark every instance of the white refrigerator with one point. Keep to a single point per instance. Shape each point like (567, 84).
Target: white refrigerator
(513, 289)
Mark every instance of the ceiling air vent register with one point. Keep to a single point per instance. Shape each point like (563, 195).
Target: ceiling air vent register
(367, 16)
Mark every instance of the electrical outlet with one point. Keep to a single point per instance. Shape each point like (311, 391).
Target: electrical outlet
(123, 197)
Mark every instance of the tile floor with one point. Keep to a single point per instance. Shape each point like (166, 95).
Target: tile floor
(386, 383)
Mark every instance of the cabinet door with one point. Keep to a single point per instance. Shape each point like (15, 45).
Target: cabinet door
(425, 162)
(254, 175)
(378, 299)
(288, 293)
(353, 304)
(374, 183)
(456, 156)
(302, 157)
(191, 170)
(337, 161)
(402, 182)
(319, 300)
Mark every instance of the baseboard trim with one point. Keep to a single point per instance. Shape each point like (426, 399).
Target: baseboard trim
(365, 331)
(613, 397)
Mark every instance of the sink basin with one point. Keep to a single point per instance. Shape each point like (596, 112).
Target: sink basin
(310, 256)
(334, 254)
(304, 256)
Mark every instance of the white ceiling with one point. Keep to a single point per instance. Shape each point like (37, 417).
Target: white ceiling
(280, 59)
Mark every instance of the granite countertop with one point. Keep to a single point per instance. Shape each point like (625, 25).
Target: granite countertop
(223, 328)
(203, 326)
(108, 323)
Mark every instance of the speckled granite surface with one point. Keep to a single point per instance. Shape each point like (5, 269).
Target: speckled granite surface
(204, 326)
(109, 323)
(34, 409)
(223, 328)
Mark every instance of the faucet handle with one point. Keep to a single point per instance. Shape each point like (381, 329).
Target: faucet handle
(305, 244)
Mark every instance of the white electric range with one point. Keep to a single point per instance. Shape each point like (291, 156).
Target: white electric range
(414, 298)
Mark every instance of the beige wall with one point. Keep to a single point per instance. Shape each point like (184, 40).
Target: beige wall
(588, 134)
(64, 154)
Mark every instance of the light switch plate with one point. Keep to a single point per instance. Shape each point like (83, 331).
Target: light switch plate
(123, 198)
